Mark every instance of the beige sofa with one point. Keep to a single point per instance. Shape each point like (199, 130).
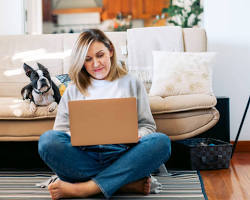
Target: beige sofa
(179, 117)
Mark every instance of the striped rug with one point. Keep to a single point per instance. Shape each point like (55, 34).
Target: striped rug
(179, 185)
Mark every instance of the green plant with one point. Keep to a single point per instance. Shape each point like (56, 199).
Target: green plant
(183, 16)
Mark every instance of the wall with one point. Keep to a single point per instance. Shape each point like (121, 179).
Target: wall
(34, 19)
(228, 31)
(11, 17)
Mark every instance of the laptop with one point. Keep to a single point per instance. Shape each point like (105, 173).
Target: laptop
(103, 121)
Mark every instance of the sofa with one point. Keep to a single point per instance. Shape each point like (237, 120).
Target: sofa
(180, 116)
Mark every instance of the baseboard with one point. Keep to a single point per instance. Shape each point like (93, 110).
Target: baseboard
(242, 146)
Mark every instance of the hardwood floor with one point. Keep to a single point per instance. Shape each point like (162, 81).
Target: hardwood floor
(232, 183)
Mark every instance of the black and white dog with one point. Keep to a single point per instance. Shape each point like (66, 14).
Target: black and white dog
(42, 91)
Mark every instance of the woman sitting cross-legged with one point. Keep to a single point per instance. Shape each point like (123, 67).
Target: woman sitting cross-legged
(84, 171)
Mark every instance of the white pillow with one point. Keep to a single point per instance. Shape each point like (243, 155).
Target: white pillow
(181, 73)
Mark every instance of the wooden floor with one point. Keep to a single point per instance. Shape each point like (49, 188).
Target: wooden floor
(232, 183)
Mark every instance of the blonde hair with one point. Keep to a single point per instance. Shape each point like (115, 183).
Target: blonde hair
(77, 72)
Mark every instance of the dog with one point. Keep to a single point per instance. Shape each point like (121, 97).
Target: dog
(41, 91)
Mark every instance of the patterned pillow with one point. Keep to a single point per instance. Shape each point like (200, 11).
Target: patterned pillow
(64, 82)
(181, 73)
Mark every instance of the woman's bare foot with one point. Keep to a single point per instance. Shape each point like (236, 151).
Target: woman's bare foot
(141, 186)
(61, 189)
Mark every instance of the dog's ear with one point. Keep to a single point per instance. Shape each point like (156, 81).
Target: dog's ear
(27, 69)
(40, 66)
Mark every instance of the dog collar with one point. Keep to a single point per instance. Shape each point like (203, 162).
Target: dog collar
(39, 92)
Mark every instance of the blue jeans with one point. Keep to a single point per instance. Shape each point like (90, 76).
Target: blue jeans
(109, 166)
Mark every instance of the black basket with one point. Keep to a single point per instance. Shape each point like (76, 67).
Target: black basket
(203, 153)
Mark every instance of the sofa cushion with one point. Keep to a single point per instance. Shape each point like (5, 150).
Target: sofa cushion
(24, 130)
(195, 39)
(183, 125)
(181, 103)
(177, 126)
(180, 73)
(15, 108)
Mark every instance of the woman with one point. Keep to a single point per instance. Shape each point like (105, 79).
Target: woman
(90, 170)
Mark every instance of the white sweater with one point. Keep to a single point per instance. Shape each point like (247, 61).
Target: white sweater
(127, 86)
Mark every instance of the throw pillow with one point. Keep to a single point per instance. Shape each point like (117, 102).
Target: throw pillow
(181, 73)
(64, 82)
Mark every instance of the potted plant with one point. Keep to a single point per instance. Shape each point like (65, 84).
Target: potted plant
(184, 13)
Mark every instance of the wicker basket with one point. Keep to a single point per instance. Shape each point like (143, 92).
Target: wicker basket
(203, 153)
